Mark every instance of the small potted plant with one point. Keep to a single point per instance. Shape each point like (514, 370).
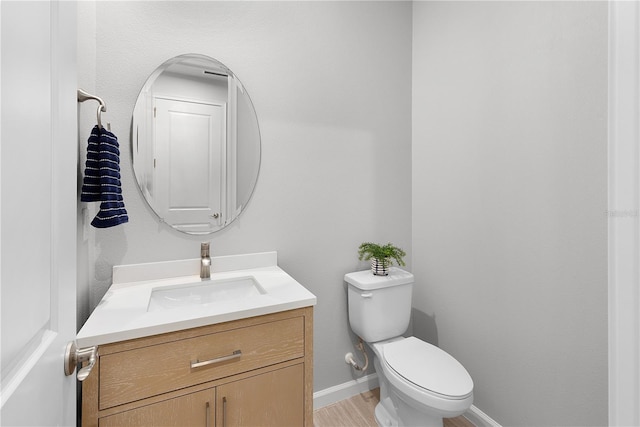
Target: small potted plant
(381, 256)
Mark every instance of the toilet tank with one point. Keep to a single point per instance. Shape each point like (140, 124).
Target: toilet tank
(379, 306)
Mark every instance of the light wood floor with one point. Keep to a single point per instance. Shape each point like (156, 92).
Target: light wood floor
(358, 412)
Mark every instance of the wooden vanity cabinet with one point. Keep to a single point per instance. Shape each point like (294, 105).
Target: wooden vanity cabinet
(251, 372)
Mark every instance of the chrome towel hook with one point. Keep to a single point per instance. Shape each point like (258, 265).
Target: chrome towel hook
(85, 96)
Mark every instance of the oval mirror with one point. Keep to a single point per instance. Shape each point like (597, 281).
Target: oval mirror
(195, 144)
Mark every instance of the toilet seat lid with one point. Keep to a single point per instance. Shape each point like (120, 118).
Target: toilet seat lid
(428, 367)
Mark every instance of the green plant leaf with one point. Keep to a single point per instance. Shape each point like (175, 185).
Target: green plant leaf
(385, 253)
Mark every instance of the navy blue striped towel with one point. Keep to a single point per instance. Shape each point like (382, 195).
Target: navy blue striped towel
(101, 181)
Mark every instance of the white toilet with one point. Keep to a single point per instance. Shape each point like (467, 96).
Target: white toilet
(420, 384)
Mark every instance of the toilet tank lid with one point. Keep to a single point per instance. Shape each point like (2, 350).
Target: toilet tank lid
(366, 280)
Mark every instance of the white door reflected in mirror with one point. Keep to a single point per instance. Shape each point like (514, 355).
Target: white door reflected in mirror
(189, 136)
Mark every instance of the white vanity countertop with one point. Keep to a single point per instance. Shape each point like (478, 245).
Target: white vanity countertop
(122, 314)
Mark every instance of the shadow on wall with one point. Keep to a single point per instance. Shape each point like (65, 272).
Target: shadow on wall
(111, 245)
(423, 326)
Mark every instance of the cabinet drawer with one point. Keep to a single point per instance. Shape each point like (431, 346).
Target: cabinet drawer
(140, 373)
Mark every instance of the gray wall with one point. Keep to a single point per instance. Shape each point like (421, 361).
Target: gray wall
(508, 159)
(331, 83)
(509, 200)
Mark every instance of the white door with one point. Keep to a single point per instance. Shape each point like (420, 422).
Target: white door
(38, 151)
(624, 191)
(189, 163)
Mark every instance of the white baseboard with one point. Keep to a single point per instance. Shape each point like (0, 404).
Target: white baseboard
(479, 418)
(349, 389)
(343, 391)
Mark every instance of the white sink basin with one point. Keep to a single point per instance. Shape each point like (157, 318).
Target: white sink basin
(204, 292)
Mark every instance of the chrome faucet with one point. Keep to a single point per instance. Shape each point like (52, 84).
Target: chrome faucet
(205, 261)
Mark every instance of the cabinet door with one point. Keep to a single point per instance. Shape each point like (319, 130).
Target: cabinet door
(274, 399)
(195, 409)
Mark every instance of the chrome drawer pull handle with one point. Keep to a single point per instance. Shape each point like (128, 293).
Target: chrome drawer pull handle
(197, 364)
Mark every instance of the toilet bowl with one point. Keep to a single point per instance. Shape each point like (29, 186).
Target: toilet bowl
(425, 383)
(420, 384)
